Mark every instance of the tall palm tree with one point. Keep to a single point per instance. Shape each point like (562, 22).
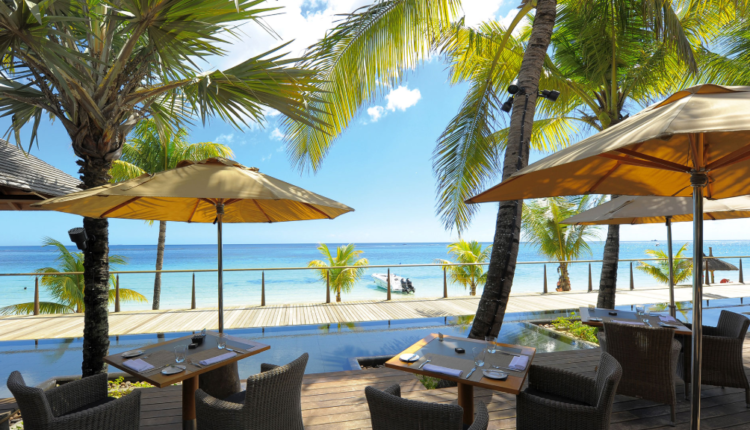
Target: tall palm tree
(341, 280)
(468, 252)
(67, 291)
(559, 242)
(682, 269)
(98, 68)
(150, 151)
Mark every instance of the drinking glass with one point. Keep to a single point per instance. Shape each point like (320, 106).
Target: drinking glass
(222, 343)
(640, 310)
(478, 356)
(491, 347)
(179, 353)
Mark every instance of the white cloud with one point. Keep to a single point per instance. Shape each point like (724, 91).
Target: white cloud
(225, 138)
(280, 148)
(375, 113)
(402, 98)
(266, 158)
(506, 20)
(276, 134)
(478, 11)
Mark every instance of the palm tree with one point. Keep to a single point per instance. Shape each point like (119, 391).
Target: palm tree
(683, 269)
(468, 252)
(68, 291)
(559, 242)
(340, 280)
(150, 151)
(98, 68)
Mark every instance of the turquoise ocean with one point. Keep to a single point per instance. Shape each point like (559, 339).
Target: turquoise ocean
(300, 286)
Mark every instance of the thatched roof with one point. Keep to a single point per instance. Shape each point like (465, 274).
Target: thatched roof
(716, 265)
(25, 179)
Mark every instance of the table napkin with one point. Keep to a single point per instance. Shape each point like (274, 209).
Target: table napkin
(138, 365)
(519, 363)
(218, 358)
(667, 318)
(628, 322)
(444, 370)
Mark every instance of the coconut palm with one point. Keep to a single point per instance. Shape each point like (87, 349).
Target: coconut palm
(341, 280)
(559, 242)
(98, 68)
(150, 151)
(468, 252)
(683, 269)
(67, 291)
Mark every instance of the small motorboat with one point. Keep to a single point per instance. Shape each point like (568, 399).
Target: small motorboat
(398, 284)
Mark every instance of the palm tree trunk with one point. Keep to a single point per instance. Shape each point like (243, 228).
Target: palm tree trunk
(473, 290)
(502, 267)
(608, 280)
(159, 262)
(564, 277)
(94, 172)
(338, 296)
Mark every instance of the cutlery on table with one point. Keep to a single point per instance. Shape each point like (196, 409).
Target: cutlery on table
(237, 350)
(149, 371)
(509, 353)
(196, 364)
(472, 371)
(425, 362)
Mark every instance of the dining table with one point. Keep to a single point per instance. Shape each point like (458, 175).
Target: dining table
(197, 361)
(434, 351)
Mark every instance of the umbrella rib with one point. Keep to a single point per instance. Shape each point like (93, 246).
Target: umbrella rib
(317, 210)
(605, 176)
(654, 159)
(121, 205)
(197, 202)
(641, 163)
(262, 211)
(734, 157)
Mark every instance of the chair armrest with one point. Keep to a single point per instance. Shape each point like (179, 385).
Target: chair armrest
(121, 414)
(707, 329)
(206, 401)
(393, 390)
(722, 348)
(265, 367)
(563, 383)
(76, 394)
(565, 412)
(481, 417)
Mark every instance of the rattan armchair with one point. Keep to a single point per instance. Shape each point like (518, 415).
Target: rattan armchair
(272, 401)
(722, 353)
(77, 405)
(648, 357)
(560, 399)
(388, 411)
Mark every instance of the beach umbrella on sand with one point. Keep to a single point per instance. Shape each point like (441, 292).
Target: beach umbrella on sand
(215, 190)
(696, 140)
(651, 209)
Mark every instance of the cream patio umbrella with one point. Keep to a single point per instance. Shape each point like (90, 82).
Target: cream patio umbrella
(650, 210)
(215, 190)
(697, 138)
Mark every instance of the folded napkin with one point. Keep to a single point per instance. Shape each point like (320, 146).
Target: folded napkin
(667, 318)
(444, 370)
(218, 358)
(138, 365)
(628, 322)
(519, 362)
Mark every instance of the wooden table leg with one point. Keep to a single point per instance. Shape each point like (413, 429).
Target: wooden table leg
(466, 401)
(189, 387)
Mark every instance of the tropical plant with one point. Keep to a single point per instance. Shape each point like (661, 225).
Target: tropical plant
(573, 325)
(150, 151)
(468, 252)
(340, 279)
(67, 291)
(100, 67)
(542, 226)
(659, 270)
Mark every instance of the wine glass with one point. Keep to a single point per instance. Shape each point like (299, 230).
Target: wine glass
(640, 310)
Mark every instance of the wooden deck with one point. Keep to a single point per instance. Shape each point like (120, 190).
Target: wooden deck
(163, 321)
(336, 401)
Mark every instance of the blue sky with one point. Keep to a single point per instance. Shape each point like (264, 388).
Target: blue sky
(380, 166)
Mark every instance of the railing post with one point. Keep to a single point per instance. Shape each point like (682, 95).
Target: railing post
(545, 278)
(117, 293)
(591, 284)
(389, 284)
(708, 280)
(328, 286)
(263, 288)
(445, 282)
(192, 302)
(36, 295)
(632, 285)
(742, 280)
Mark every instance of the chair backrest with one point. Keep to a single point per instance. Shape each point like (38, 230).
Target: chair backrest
(607, 378)
(388, 411)
(733, 325)
(645, 355)
(273, 398)
(32, 402)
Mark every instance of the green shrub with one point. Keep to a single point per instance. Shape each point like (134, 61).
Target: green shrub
(428, 381)
(576, 328)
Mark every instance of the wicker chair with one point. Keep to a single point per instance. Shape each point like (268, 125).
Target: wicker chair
(648, 357)
(722, 353)
(77, 405)
(560, 399)
(388, 411)
(272, 401)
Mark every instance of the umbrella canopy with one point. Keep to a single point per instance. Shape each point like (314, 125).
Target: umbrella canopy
(716, 265)
(695, 141)
(213, 190)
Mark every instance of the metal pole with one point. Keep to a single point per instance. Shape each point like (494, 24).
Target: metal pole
(591, 284)
(445, 283)
(742, 280)
(192, 302)
(545, 279)
(698, 180)
(219, 216)
(36, 295)
(632, 284)
(389, 284)
(672, 308)
(117, 293)
(262, 288)
(328, 286)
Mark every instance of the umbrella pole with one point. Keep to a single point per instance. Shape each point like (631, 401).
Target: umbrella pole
(219, 216)
(698, 180)
(672, 309)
